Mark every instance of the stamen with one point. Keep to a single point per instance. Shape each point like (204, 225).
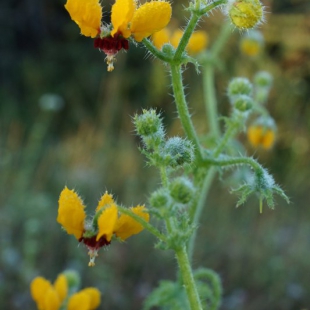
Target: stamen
(93, 253)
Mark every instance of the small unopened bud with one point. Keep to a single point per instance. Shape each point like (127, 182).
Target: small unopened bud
(243, 103)
(239, 86)
(160, 199)
(73, 279)
(245, 14)
(263, 79)
(252, 43)
(147, 123)
(168, 49)
(182, 190)
(178, 152)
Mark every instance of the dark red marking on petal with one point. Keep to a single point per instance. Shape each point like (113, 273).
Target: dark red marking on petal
(111, 45)
(93, 243)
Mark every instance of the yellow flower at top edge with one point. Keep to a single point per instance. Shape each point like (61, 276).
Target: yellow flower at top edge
(98, 231)
(127, 19)
(52, 296)
(87, 14)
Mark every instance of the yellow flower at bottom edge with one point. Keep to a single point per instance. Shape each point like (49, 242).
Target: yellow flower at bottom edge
(87, 14)
(51, 297)
(48, 296)
(259, 135)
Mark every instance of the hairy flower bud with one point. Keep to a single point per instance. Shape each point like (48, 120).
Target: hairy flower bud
(178, 152)
(182, 190)
(263, 79)
(243, 103)
(239, 86)
(73, 279)
(245, 14)
(160, 199)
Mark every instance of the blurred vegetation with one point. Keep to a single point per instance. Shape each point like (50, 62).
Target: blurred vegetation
(65, 121)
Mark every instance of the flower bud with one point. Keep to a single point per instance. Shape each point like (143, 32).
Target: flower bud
(160, 199)
(245, 14)
(147, 123)
(181, 190)
(263, 79)
(243, 103)
(262, 133)
(73, 279)
(251, 43)
(239, 86)
(178, 152)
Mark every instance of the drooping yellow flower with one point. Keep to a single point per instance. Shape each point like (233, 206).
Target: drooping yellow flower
(53, 297)
(260, 136)
(97, 232)
(87, 14)
(71, 214)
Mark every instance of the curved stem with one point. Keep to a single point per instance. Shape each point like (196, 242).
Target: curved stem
(157, 53)
(143, 222)
(182, 108)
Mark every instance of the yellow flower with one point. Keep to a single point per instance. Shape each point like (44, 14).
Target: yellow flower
(196, 44)
(251, 43)
(87, 14)
(53, 297)
(97, 232)
(262, 133)
(140, 22)
(71, 214)
(245, 14)
(126, 20)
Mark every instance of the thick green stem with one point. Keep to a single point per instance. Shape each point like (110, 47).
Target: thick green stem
(188, 279)
(182, 108)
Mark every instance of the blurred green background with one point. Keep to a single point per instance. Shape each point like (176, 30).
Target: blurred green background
(64, 120)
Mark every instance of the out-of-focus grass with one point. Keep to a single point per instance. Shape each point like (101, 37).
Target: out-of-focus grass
(90, 145)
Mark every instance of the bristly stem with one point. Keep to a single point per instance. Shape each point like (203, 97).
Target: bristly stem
(178, 91)
(188, 279)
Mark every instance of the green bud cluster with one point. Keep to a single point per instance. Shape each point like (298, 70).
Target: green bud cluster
(173, 153)
(150, 128)
(240, 94)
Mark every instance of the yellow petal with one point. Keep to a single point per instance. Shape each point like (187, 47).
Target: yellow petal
(105, 200)
(268, 139)
(197, 42)
(87, 14)
(38, 288)
(150, 18)
(106, 222)
(61, 287)
(121, 15)
(255, 135)
(71, 214)
(94, 295)
(51, 300)
(161, 37)
(126, 226)
(79, 301)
